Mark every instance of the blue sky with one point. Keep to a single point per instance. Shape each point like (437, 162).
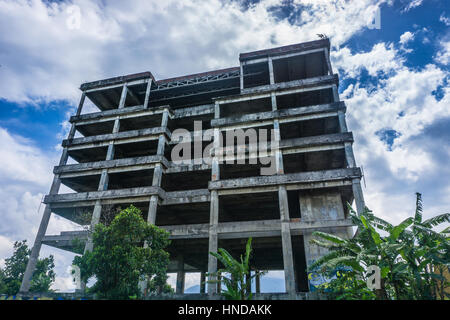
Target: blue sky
(395, 81)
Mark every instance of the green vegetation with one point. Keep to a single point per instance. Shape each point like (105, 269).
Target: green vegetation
(12, 274)
(119, 260)
(236, 275)
(412, 258)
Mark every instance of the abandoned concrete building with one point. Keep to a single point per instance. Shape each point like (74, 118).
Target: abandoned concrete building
(121, 155)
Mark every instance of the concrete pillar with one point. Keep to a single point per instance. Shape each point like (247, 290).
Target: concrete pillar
(180, 275)
(241, 77)
(258, 282)
(335, 93)
(213, 241)
(357, 193)
(147, 93)
(273, 99)
(123, 96)
(202, 282)
(216, 110)
(288, 260)
(342, 122)
(327, 59)
(271, 75)
(54, 189)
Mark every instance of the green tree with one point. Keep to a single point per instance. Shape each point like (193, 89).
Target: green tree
(407, 254)
(120, 259)
(236, 275)
(12, 274)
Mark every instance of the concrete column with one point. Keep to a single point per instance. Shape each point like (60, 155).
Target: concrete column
(288, 260)
(213, 241)
(271, 76)
(180, 275)
(216, 110)
(241, 77)
(342, 122)
(54, 189)
(327, 59)
(358, 194)
(202, 282)
(147, 93)
(123, 96)
(273, 98)
(335, 93)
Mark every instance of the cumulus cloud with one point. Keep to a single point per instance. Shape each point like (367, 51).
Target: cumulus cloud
(403, 106)
(26, 175)
(406, 37)
(53, 56)
(443, 55)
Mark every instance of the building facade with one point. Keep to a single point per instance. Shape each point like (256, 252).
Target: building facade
(128, 153)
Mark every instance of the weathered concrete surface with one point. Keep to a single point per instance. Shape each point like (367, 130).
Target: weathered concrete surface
(315, 176)
(278, 114)
(207, 206)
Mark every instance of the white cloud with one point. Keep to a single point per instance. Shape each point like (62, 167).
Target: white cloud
(26, 175)
(382, 58)
(404, 100)
(444, 20)
(443, 55)
(412, 4)
(48, 61)
(406, 37)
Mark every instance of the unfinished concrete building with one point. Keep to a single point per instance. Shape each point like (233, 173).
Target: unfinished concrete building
(121, 155)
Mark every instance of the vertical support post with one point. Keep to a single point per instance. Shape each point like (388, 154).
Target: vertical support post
(147, 93)
(357, 193)
(273, 97)
(216, 110)
(271, 75)
(328, 62)
(258, 282)
(288, 260)
(54, 189)
(241, 77)
(342, 122)
(202, 282)
(180, 275)
(123, 96)
(213, 241)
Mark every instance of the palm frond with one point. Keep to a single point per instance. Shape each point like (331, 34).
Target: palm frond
(437, 220)
(330, 237)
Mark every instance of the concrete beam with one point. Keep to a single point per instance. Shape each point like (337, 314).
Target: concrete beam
(148, 134)
(119, 164)
(186, 196)
(302, 83)
(249, 119)
(306, 177)
(100, 195)
(109, 115)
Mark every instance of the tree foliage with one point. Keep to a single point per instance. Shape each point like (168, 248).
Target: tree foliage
(412, 257)
(120, 260)
(12, 274)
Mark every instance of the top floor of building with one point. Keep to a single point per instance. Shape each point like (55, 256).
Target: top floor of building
(304, 64)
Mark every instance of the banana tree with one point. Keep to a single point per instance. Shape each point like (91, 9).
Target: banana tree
(406, 254)
(235, 274)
